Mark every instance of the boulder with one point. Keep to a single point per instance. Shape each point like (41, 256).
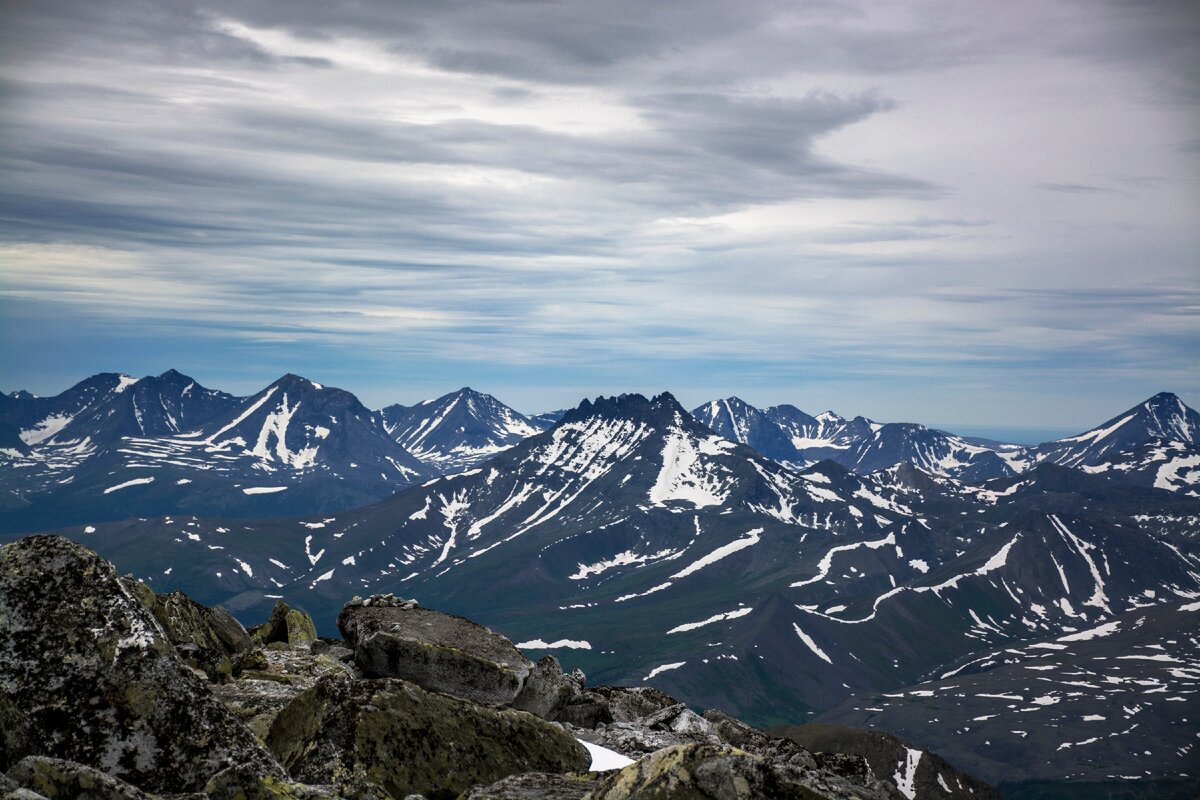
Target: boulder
(673, 725)
(629, 704)
(439, 652)
(88, 674)
(701, 772)
(66, 780)
(207, 638)
(746, 737)
(397, 735)
(239, 783)
(547, 691)
(286, 625)
(537, 786)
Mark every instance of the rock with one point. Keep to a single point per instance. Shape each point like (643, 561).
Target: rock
(89, 675)
(536, 786)
(439, 652)
(286, 625)
(229, 631)
(675, 724)
(388, 600)
(629, 704)
(278, 676)
(547, 691)
(746, 737)
(395, 734)
(207, 638)
(66, 780)
(239, 783)
(701, 771)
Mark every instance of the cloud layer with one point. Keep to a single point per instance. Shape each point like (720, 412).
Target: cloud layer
(927, 211)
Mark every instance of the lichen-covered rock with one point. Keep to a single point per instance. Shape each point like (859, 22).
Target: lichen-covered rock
(66, 780)
(701, 772)
(673, 725)
(239, 783)
(439, 652)
(629, 704)
(537, 786)
(395, 734)
(746, 737)
(547, 691)
(258, 693)
(207, 638)
(87, 674)
(287, 625)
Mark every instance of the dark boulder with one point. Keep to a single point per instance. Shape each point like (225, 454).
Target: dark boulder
(66, 780)
(439, 652)
(392, 733)
(88, 674)
(537, 786)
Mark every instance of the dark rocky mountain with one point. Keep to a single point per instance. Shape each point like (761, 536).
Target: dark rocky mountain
(640, 546)
(458, 430)
(164, 445)
(114, 691)
(1155, 444)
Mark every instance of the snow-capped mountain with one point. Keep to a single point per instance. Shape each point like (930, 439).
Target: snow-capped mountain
(122, 447)
(458, 430)
(635, 542)
(1156, 443)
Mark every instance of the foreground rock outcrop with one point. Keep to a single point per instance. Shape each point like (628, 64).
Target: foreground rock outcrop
(110, 692)
(87, 674)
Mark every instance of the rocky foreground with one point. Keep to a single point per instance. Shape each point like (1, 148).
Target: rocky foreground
(110, 692)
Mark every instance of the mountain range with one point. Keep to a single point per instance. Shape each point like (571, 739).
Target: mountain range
(638, 541)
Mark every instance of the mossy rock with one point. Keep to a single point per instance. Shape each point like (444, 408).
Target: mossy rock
(91, 677)
(392, 733)
(286, 625)
(56, 778)
(704, 772)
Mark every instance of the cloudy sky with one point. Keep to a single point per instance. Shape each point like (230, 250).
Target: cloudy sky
(972, 214)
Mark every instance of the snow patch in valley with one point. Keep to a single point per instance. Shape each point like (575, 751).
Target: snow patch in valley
(749, 539)
(690, 626)
(664, 668)
(263, 489)
(126, 484)
(570, 644)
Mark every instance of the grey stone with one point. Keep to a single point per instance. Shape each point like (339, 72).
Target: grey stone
(537, 786)
(405, 739)
(66, 780)
(88, 674)
(439, 652)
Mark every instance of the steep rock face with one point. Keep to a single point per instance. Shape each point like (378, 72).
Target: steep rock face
(397, 735)
(88, 674)
(439, 652)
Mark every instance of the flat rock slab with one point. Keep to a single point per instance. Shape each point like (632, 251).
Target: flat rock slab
(439, 652)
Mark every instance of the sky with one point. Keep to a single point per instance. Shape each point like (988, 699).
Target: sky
(969, 214)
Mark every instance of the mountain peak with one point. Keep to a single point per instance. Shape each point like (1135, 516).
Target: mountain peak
(629, 406)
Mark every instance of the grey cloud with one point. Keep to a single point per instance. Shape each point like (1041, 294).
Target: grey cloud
(1071, 188)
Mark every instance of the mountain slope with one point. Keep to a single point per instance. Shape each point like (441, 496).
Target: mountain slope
(294, 447)
(458, 430)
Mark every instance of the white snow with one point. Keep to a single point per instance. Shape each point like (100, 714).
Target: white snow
(906, 773)
(263, 489)
(624, 559)
(690, 626)
(245, 568)
(750, 538)
(804, 637)
(604, 759)
(685, 476)
(919, 565)
(134, 482)
(570, 644)
(1169, 477)
(241, 417)
(45, 429)
(90, 529)
(1107, 629)
(826, 562)
(663, 668)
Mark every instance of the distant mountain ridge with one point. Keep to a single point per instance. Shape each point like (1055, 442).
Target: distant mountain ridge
(1156, 443)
